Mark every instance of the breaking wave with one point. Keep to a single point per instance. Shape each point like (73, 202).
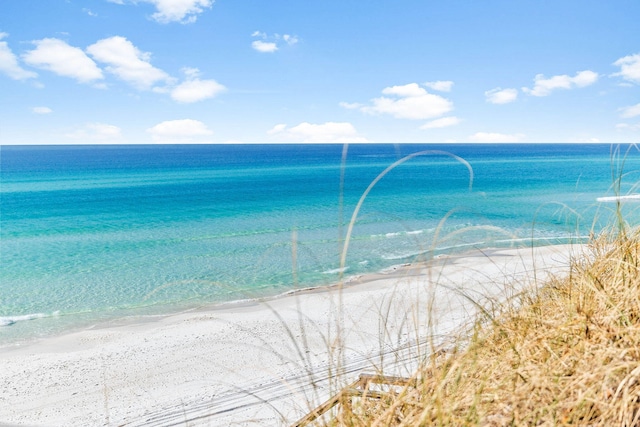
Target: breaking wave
(10, 320)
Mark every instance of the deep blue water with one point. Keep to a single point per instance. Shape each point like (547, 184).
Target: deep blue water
(89, 233)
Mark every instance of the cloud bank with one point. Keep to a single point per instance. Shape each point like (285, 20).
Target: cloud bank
(120, 58)
(96, 132)
(495, 137)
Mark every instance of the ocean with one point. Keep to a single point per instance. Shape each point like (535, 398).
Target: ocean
(92, 234)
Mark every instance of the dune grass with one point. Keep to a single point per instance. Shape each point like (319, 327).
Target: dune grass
(566, 352)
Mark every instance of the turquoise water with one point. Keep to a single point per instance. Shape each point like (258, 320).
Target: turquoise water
(92, 233)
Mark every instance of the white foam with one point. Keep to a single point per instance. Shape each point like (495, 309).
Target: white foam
(400, 233)
(336, 270)
(392, 257)
(10, 320)
(409, 233)
(618, 198)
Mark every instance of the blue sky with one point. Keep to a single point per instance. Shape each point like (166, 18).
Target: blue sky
(255, 71)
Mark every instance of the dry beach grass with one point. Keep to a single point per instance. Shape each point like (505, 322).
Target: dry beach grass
(567, 353)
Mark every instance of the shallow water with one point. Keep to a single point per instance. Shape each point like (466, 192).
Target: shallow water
(91, 233)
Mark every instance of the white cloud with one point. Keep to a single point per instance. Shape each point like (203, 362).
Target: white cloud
(270, 44)
(194, 89)
(495, 137)
(411, 102)
(190, 72)
(629, 68)
(412, 89)
(289, 39)
(57, 56)
(96, 132)
(441, 123)
(585, 78)
(183, 11)
(631, 111)
(440, 85)
(9, 63)
(42, 110)
(277, 129)
(501, 96)
(127, 62)
(350, 105)
(264, 47)
(326, 132)
(544, 87)
(179, 131)
(627, 126)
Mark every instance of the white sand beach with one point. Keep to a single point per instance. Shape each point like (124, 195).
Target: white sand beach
(259, 363)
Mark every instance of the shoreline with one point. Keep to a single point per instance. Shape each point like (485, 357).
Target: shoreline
(149, 313)
(213, 362)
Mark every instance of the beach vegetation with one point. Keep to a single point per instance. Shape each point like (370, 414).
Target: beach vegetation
(566, 353)
(563, 351)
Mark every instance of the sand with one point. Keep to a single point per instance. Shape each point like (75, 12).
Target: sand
(260, 363)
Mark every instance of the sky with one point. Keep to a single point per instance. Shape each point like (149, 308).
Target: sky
(339, 71)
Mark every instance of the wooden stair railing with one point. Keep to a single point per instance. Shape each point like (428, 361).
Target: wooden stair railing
(359, 388)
